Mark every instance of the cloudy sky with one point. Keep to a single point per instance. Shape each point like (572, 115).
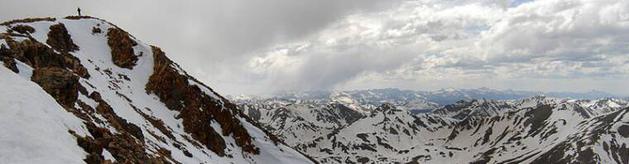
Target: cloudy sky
(267, 46)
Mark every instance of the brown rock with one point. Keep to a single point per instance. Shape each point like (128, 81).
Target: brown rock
(7, 59)
(157, 123)
(60, 40)
(75, 65)
(23, 29)
(60, 83)
(123, 147)
(35, 54)
(121, 48)
(28, 20)
(10, 63)
(96, 30)
(58, 74)
(38, 55)
(197, 109)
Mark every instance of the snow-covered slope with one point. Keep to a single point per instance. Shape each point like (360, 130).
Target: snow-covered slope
(386, 135)
(80, 89)
(34, 127)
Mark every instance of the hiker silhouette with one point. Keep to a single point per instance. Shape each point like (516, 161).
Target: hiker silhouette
(79, 10)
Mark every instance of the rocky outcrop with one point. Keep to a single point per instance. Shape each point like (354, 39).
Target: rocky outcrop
(34, 54)
(121, 46)
(127, 144)
(7, 60)
(114, 120)
(27, 20)
(38, 55)
(122, 146)
(23, 29)
(57, 74)
(196, 108)
(60, 40)
(60, 83)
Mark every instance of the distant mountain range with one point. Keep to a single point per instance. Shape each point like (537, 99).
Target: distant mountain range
(349, 126)
(420, 101)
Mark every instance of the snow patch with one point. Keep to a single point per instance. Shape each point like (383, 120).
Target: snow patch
(108, 155)
(26, 71)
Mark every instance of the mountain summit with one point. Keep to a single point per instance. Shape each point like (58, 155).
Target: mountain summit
(80, 89)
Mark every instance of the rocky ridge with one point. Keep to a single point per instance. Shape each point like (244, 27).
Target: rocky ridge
(134, 104)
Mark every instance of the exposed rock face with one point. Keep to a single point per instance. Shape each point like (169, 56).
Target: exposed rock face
(121, 145)
(62, 84)
(60, 40)
(96, 30)
(59, 74)
(9, 62)
(195, 107)
(23, 29)
(122, 112)
(121, 48)
(38, 55)
(127, 145)
(35, 54)
(624, 131)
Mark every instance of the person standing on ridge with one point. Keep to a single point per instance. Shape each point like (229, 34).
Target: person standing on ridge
(79, 10)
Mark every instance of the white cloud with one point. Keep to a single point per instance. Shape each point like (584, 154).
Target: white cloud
(462, 43)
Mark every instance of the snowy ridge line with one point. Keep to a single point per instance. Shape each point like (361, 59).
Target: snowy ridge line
(97, 78)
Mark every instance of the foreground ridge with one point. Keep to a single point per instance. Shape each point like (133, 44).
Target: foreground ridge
(99, 95)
